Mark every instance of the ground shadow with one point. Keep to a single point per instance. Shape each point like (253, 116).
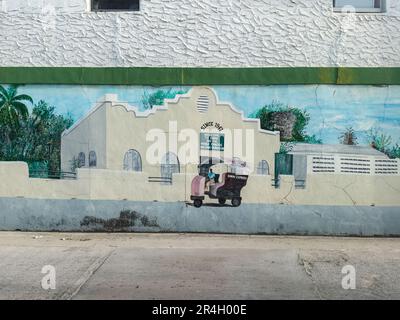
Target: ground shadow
(217, 205)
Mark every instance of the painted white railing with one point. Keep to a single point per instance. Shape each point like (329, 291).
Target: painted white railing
(348, 164)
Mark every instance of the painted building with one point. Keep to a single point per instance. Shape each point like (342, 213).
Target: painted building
(116, 136)
(345, 159)
(337, 59)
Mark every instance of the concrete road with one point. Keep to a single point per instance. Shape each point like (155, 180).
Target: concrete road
(187, 266)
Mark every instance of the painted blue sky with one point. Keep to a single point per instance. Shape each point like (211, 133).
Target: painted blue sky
(332, 108)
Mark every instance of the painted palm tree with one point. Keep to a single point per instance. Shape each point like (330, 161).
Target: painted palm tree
(348, 137)
(13, 106)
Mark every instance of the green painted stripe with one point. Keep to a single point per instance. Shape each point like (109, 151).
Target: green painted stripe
(374, 76)
(258, 76)
(198, 76)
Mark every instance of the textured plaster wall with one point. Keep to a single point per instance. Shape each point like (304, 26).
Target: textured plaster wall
(202, 33)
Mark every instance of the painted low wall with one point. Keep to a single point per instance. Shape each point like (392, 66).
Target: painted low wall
(113, 201)
(96, 184)
(128, 216)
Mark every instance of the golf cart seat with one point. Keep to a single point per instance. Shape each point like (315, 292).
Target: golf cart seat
(214, 188)
(198, 184)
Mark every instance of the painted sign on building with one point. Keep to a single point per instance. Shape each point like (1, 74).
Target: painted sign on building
(212, 141)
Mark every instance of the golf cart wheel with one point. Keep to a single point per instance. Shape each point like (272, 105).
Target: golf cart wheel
(236, 202)
(222, 200)
(198, 203)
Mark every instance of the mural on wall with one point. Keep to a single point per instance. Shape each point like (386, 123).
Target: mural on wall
(319, 129)
(352, 115)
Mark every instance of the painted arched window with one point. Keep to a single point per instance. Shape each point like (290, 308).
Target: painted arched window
(92, 159)
(263, 168)
(133, 161)
(81, 159)
(169, 165)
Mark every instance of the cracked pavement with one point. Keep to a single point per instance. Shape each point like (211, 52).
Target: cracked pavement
(196, 266)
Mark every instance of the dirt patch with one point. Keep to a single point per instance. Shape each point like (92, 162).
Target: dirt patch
(125, 222)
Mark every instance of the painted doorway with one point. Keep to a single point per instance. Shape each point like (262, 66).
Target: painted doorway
(169, 166)
(132, 161)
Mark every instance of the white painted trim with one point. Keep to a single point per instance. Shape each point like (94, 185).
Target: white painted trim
(359, 10)
(90, 9)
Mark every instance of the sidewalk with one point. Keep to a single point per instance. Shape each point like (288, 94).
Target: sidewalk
(190, 266)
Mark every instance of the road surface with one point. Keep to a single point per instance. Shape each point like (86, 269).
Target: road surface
(193, 266)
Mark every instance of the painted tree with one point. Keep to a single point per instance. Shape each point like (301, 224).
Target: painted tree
(13, 105)
(37, 138)
(149, 100)
(383, 143)
(379, 140)
(290, 121)
(348, 137)
(13, 110)
(394, 151)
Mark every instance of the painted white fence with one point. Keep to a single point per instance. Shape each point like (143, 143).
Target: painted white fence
(348, 164)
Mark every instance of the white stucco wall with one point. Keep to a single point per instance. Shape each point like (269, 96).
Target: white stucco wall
(203, 33)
